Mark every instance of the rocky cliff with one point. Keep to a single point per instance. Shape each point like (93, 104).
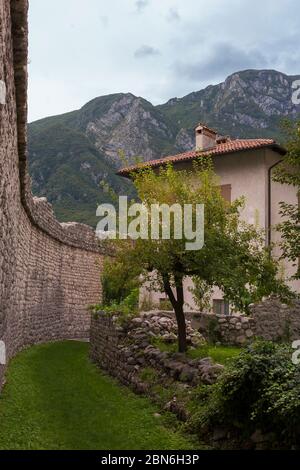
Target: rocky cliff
(72, 153)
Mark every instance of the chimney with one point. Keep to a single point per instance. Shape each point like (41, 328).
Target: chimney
(206, 138)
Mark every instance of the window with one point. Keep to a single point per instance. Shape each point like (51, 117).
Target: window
(221, 307)
(226, 192)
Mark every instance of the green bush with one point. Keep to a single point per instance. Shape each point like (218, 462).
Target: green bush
(260, 389)
(149, 375)
(165, 304)
(118, 282)
(214, 335)
(126, 309)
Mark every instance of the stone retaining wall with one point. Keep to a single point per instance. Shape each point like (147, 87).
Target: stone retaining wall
(124, 351)
(276, 321)
(228, 330)
(49, 272)
(269, 319)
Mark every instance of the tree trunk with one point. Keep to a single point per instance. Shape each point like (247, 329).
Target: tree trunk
(177, 304)
(180, 317)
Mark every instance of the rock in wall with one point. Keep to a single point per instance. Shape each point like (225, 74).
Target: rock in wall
(125, 350)
(274, 320)
(270, 320)
(49, 272)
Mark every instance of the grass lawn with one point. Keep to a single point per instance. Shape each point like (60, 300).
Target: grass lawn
(220, 354)
(55, 398)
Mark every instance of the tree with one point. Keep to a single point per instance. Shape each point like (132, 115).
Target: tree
(233, 258)
(118, 281)
(288, 172)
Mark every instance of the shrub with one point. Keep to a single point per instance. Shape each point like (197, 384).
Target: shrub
(165, 304)
(126, 309)
(118, 282)
(260, 389)
(149, 375)
(214, 335)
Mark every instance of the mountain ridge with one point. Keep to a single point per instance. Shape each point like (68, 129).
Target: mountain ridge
(71, 153)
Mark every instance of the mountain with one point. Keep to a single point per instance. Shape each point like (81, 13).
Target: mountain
(71, 154)
(251, 103)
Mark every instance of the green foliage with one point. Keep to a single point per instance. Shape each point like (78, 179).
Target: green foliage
(165, 304)
(67, 167)
(213, 330)
(234, 257)
(147, 304)
(219, 354)
(148, 375)
(119, 290)
(201, 292)
(55, 399)
(162, 345)
(260, 389)
(288, 172)
(118, 281)
(125, 309)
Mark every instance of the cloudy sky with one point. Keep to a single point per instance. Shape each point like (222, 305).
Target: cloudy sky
(157, 49)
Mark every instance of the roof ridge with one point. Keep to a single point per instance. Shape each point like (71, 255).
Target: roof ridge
(231, 146)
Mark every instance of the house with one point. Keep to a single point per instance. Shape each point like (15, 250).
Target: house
(245, 168)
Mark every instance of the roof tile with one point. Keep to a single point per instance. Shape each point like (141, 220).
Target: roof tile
(230, 146)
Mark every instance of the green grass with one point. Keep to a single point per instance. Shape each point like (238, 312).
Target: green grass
(55, 398)
(220, 354)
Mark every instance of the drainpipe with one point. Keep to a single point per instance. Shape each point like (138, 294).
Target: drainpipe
(269, 233)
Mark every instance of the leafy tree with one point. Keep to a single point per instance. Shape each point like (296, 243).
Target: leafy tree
(288, 172)
(201, 292)
(118, 281)
(233, 258)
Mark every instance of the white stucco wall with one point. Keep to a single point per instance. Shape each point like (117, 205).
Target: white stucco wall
(282, 192)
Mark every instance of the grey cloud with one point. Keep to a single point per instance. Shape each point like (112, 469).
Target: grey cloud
(141, 5)
(224, 60)
(173, 15)
(145, 51)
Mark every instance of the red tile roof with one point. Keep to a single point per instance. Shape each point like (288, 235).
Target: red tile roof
(231, 146)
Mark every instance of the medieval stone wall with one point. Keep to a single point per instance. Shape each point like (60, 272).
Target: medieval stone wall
(49, 272)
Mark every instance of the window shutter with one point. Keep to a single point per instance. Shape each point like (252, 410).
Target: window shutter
(226, 192)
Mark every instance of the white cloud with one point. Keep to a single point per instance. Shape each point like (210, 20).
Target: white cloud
(87, 51)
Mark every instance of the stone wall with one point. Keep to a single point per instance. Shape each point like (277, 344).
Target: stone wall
(269, 319)
(276, 321)
(124, 351)
(49, 272)
(228, 330)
